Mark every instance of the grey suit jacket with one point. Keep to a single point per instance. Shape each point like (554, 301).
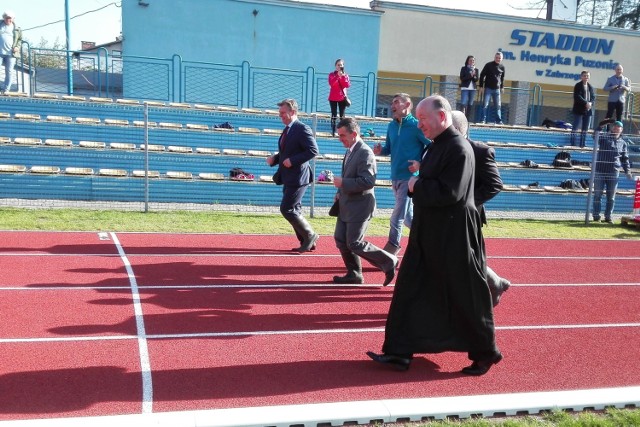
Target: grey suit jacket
(357, 199)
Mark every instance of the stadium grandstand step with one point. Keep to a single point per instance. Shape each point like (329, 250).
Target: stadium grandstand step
(179, 149)
(136, 173)
(265, 178)
(234, 152)
(204, 107)
(251, 110)
(127, 101)
(122, 146)
(140, 123)
(48, 170)
(40, 95)
(13, 168)
(272, 131)
(116, 122)
(78, 171)
(88, 120)
(227, 130)
(92, 144)
(509, 187)
(155, 103)
(384, 159)
(20, 116)
(179, 105)
(213, 176)
(74, 98)
(113, 172)
(193, 126)
(58, 142)
(383, 182)
(5, 140)
(170, 125)
(59, 119)
(243, 129)
(5, 115)
(258, 153)
(553, 189)
(204, 150)
(27, 141)
(179, 175)
(152, 147)
(100, 100)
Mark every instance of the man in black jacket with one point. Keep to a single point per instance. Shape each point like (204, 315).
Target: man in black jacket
(487, 185)
(492, 84)
(583, 97)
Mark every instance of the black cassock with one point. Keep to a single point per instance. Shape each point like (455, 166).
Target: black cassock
(441, 300)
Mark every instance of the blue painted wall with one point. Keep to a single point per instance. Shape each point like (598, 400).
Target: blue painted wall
(279, 34)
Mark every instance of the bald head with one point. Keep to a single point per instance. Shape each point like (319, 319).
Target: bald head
(434, 115)
(460, 122)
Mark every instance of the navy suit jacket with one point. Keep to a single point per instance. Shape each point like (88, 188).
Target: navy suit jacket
(299, 147)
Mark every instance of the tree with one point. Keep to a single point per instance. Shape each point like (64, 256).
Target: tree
(611, 13)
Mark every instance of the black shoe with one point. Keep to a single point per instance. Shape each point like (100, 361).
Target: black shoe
(391, 273)
(608, 220)
(313, 248)
(481, 367)
(596, 219)
(349, 279)
(309, 243)
(397, 362)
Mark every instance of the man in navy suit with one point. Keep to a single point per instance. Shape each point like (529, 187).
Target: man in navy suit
(357, 202)
(296, 147)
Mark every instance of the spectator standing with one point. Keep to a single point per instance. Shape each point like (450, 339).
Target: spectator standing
(10, 42)
(468, 81)
(357, 202)
(405, 144)
(487, 185)
(583, 98)
(611, 159)
(491, 83)
(617, 86)
(338, 84)
(296, 147)
(441, 301)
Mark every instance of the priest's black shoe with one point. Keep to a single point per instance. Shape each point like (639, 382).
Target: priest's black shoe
(481, 367)
(309, 243)
(397, 362)
(349, 279)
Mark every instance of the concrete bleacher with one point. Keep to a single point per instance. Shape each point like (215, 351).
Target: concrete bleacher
(94, 149)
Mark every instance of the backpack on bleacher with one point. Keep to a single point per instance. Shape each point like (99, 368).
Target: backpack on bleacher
(562, 160)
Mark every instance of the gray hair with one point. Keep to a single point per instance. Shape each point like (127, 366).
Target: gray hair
(460, 122)
(350, 124)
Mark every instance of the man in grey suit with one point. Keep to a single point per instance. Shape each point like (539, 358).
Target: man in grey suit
(356, 199)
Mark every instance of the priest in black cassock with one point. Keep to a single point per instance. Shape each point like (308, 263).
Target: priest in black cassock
(441, 300)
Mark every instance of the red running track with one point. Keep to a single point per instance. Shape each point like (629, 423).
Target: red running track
(107, 324)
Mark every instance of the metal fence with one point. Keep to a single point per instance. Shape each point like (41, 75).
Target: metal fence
(101, 74)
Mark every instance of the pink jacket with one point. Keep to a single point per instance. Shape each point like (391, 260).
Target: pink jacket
(336, 86)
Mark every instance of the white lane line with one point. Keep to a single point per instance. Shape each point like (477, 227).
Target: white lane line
(145, 362)
(295, 332)
(287, 286)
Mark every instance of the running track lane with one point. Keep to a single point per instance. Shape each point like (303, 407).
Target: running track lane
(220, 336)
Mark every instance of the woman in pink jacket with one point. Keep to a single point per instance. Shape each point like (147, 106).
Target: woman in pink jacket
(338, 84)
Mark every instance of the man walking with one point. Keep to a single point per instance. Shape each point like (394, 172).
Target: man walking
(296, 147)
(492, 80)
(583, 97)
(617, 86)
(612, 158)
(10, 42)
(487, 185)
(441, 301)
(405, 144)
(357, 202)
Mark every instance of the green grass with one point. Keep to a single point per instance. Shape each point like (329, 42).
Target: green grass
(257, 223)
(252, 223)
